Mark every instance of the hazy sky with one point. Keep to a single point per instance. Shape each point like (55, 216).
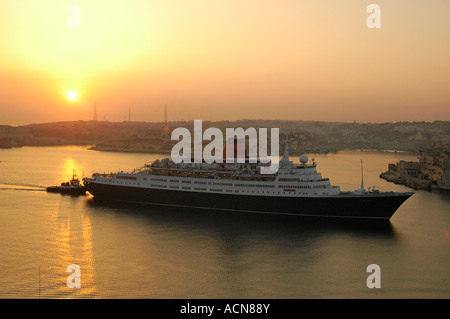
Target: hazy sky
(224, 60)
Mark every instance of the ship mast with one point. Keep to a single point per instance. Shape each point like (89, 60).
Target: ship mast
(285, 158)
(362, 176)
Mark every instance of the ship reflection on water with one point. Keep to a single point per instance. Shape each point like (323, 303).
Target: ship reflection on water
(230, 222)
(190, 253)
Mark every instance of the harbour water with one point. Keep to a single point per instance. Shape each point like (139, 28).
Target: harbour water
(126, 251)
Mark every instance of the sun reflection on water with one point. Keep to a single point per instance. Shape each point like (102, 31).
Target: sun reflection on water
(70, 168)
(70, 243)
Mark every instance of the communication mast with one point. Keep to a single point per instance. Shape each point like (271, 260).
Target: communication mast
(95, 112)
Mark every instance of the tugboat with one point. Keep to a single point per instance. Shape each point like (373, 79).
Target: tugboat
(73, 187)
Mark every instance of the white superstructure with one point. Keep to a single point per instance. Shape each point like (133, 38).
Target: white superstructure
(235, 178)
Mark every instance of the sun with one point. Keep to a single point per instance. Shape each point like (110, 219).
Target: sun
(72, 95)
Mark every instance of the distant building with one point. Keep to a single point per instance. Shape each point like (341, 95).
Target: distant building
(165, 131)
(405, 169)
(5, 142)
(435, 166)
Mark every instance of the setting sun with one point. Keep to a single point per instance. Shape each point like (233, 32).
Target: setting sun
(72, 95)
(221, 60)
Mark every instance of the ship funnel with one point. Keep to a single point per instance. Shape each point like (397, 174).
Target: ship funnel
(238, 149)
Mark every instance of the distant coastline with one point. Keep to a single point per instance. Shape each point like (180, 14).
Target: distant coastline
(307, 136)
(165, 152)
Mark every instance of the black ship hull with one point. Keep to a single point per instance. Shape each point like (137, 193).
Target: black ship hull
(70, 191)
(379, 206)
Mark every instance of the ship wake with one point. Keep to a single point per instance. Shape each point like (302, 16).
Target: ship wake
(22, 187)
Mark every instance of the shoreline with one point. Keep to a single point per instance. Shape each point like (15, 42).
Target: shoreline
(94, 147)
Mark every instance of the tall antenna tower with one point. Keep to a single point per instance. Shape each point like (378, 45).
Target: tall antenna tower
(165, 114)
(95, 112)
(129, 115)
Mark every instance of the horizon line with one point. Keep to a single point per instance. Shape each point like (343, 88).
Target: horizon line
(218, 121)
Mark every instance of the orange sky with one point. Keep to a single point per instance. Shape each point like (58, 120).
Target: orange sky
(225, 60)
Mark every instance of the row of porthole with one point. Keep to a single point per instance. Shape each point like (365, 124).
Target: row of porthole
(204, 189)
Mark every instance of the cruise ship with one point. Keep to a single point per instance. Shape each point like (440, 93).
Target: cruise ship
(295, 189)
